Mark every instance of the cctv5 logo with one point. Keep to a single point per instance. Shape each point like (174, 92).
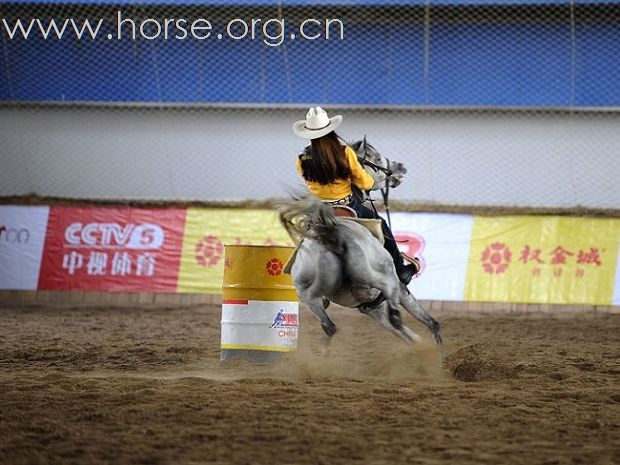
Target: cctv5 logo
(113, 235)
(14, 235)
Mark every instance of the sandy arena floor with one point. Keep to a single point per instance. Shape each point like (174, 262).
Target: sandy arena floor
(136, 385)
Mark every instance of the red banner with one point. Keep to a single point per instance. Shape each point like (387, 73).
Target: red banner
(113, 249)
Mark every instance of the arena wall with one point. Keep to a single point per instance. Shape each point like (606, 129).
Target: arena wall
(146, 299)
(556, 160)
(504, 103)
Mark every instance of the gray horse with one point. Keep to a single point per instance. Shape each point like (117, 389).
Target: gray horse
(339, 260)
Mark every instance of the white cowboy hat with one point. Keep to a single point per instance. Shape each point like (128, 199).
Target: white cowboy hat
(316, 124)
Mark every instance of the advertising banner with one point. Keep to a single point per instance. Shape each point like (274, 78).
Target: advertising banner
(206, 232)
(543, 259)
(616, 300)
(441, 242)
(529, 259)
(114, 249)
(22, 233)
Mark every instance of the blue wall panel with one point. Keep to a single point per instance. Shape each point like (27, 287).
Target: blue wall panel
(5, 84)
(314, 3)
(500, 65)
(470, 64)
(597, 65)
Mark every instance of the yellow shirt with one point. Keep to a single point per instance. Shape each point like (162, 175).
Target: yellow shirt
(340, 188)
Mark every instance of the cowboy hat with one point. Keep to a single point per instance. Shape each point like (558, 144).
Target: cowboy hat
(316, 124)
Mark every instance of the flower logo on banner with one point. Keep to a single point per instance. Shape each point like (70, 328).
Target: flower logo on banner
(496, 258)
(209, 251)
(412, 245)
(274, 266)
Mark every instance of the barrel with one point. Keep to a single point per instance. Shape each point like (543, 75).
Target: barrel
(260, 310)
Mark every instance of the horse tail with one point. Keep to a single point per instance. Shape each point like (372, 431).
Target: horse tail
(311, 218)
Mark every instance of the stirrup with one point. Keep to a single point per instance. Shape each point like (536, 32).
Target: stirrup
(415, 261)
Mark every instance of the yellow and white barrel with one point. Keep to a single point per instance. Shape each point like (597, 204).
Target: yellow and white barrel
(260, 310)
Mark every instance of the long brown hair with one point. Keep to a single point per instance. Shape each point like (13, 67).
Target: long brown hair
(324, 161)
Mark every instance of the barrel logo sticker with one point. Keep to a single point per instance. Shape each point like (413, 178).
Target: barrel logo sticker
(286, 324)
(274, 266)
(209, 251)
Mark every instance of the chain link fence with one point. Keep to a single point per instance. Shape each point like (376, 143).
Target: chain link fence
(488, 103)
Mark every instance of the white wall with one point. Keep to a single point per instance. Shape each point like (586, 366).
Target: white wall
(509, 159)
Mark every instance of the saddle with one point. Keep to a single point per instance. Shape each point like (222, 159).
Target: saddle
(374, 226)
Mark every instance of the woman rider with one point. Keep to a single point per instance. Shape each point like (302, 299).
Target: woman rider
(329, 167)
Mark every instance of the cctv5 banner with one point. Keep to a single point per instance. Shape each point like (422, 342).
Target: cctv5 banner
(115, 249)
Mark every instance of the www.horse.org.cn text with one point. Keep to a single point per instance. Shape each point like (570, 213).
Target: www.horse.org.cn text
(270, 31)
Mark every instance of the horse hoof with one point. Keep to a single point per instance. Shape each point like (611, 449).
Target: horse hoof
(395, 319)
(329, 328)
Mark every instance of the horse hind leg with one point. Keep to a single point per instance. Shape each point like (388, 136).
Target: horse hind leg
(394, 316)
(380, 316)
(391, 291)
(317, 305)
(411, 304)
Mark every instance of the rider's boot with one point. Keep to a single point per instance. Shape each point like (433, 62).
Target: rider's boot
(407, 272)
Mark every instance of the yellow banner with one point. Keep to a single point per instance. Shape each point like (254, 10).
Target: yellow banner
(542, 259)
(207, 230)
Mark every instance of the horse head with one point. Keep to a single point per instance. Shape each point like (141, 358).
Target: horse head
(382, 170)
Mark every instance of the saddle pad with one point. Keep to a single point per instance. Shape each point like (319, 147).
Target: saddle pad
(373, 225)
